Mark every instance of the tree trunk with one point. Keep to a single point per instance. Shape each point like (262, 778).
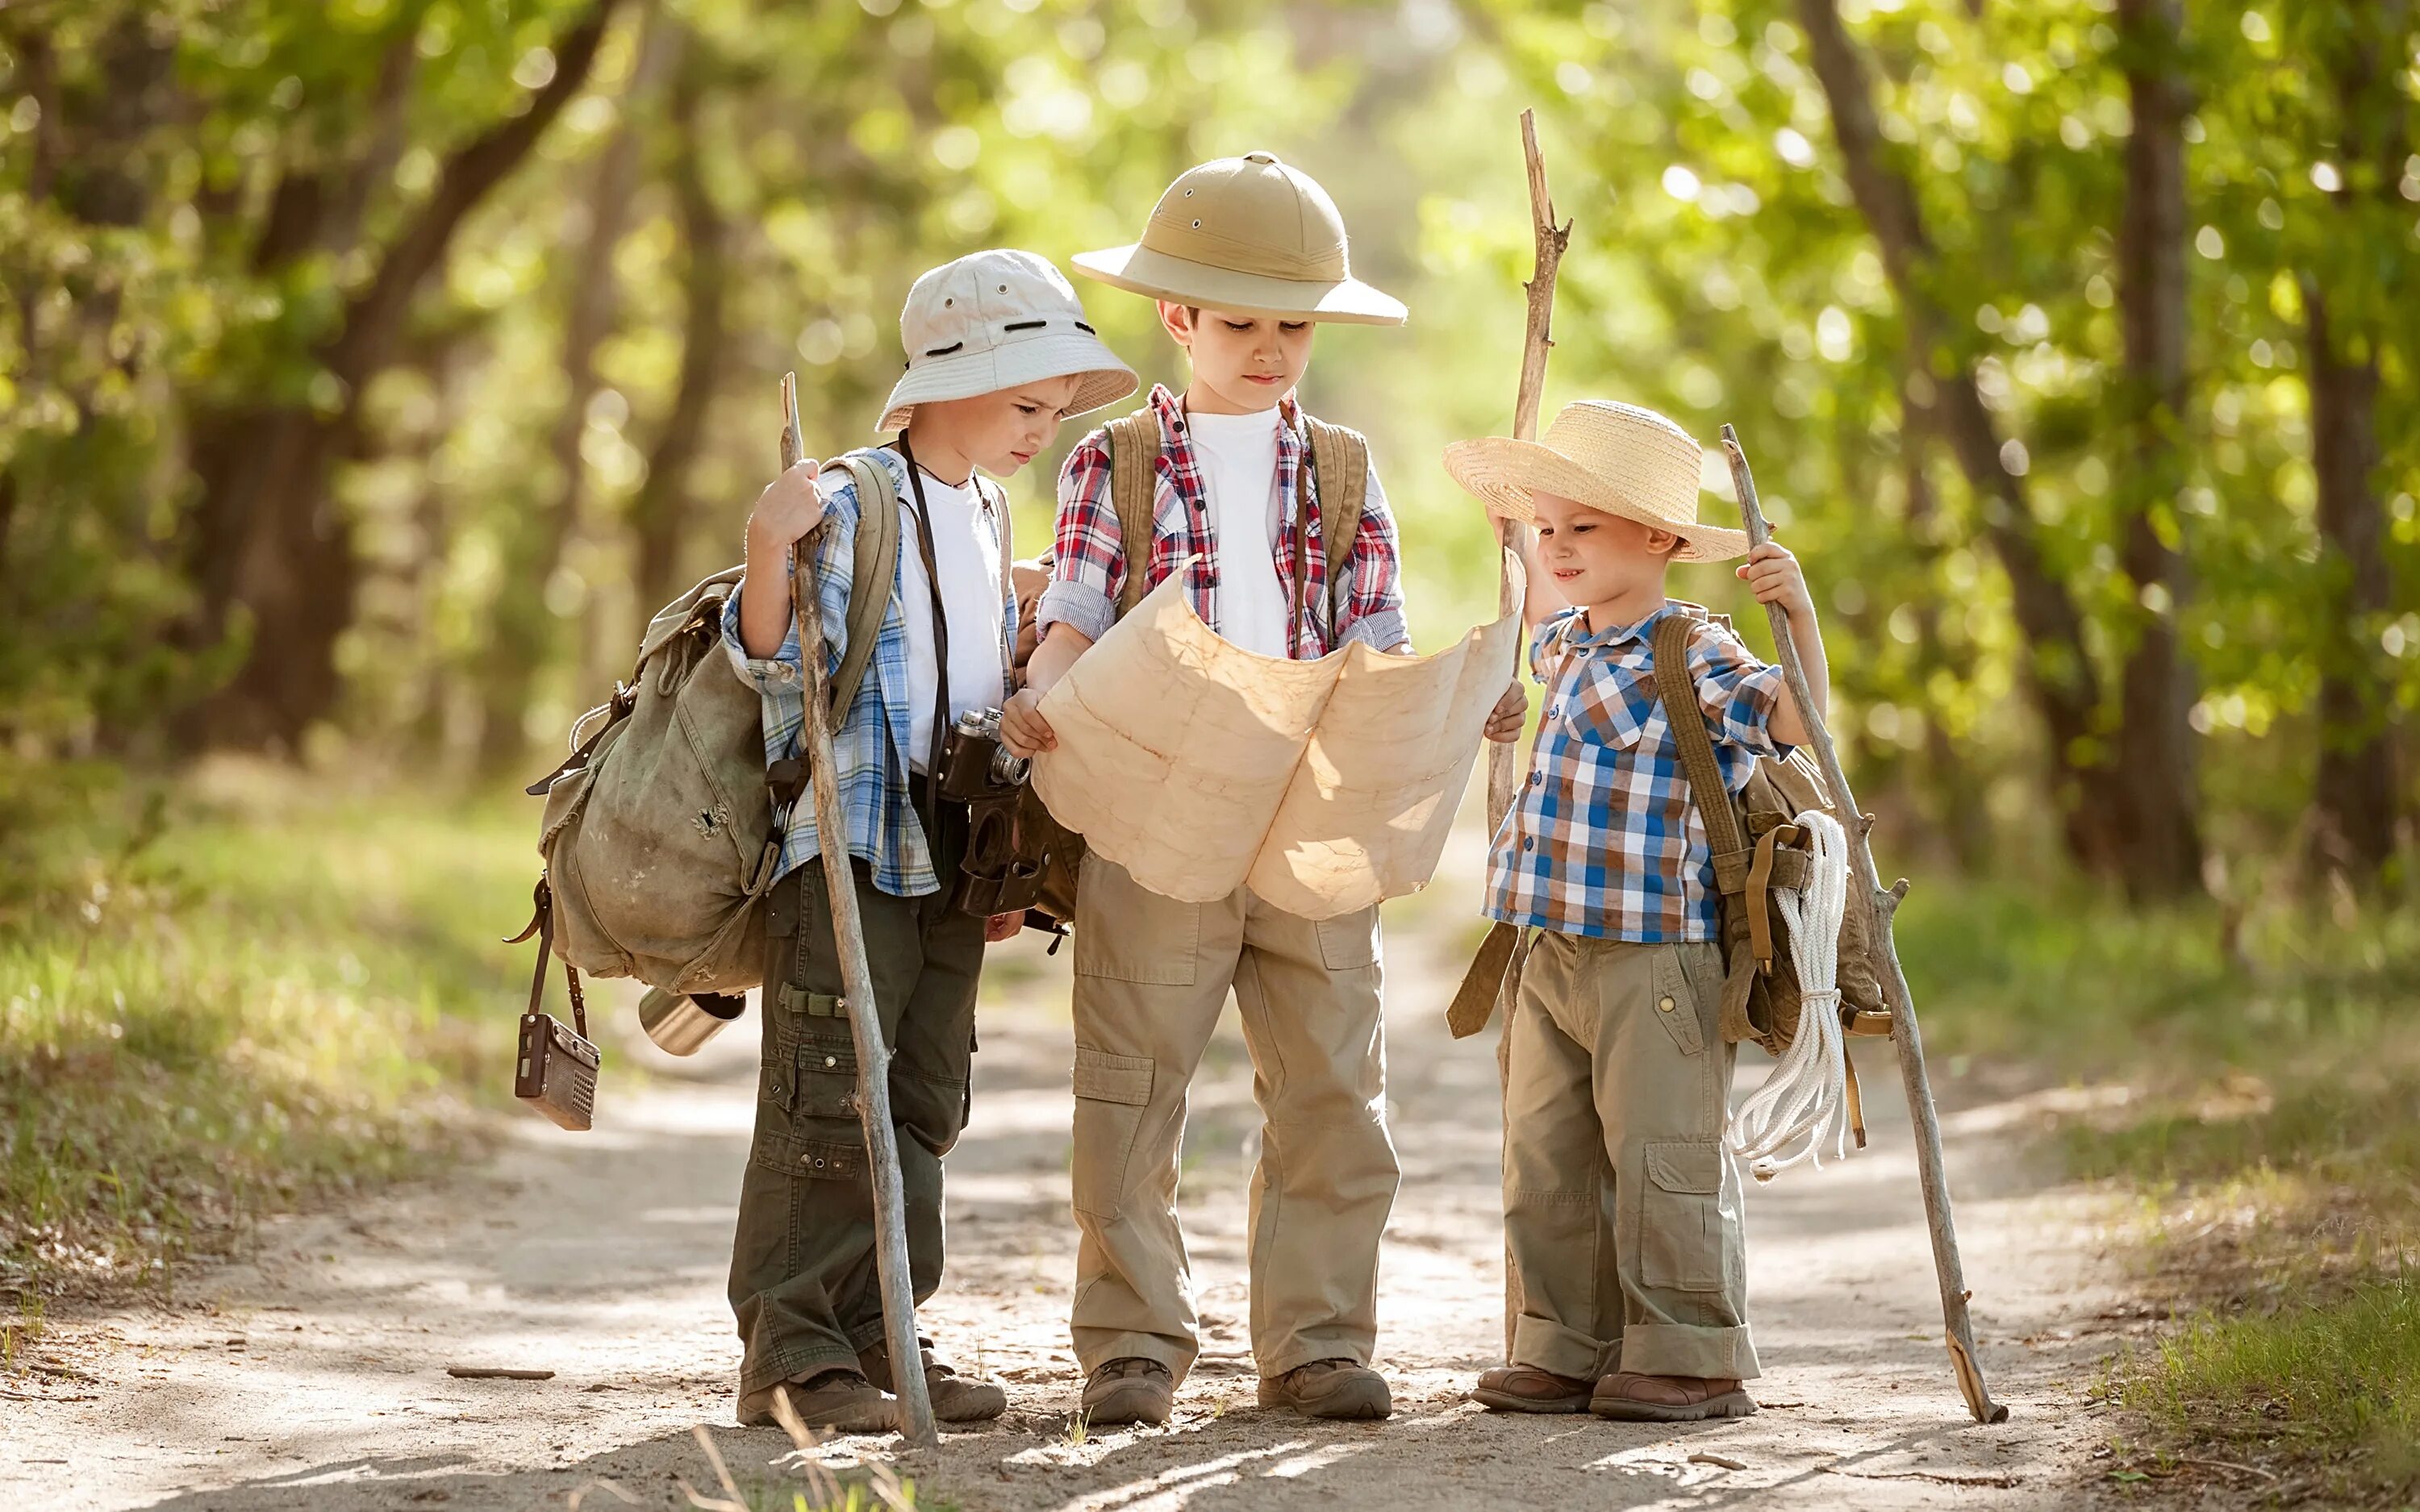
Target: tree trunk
(2158, 846)
(2058, 670)
(522, 629)
(2353, 806)
(658, 516)
(272, 554)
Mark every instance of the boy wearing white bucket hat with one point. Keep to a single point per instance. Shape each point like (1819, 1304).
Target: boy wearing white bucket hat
(998, 353)
(1616, 1062)
(1280, 527)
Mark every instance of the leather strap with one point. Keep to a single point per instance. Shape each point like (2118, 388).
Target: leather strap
(1673, 685)
(542, 925)
(1133, 488)
(1857, 1104)
(940, 640)
(1340, 461)
(1760, 893)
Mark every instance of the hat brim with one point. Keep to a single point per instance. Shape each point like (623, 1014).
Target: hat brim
(1049, 354)
(1503, 472)
(1139, 270)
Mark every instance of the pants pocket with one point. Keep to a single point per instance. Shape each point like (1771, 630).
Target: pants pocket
(1676, 1002)
(1111, 1093)
(1349, 941)
(1125, 933)
(1681, 1221)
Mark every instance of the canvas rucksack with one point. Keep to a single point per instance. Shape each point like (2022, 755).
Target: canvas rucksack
(1341, 480)
(660, 837)
(1758, 848)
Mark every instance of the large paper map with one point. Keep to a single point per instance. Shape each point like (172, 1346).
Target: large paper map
(1324, 786)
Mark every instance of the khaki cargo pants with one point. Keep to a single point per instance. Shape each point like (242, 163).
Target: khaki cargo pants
(1620, 1205)
(1152, 975)
(803, 1284)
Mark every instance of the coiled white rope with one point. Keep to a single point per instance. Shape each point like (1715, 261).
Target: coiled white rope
(1807, 1096)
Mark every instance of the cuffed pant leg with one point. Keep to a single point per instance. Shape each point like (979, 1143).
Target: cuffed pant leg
(1662, 1085)
(1555, 1178)
(1151, 976)
(1309, 993)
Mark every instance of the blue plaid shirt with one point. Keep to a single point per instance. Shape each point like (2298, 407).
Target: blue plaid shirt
(1604, 839)
(870, 749)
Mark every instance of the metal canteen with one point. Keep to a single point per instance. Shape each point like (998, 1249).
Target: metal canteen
(680, 1024)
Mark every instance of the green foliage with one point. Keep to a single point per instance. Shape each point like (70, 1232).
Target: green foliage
(207, 1007)
(2337, 1380)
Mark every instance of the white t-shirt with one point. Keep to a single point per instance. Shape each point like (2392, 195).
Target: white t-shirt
(967, 554)
(1239, 474)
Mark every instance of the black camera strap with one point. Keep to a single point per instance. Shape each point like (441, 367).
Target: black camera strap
(940, 641)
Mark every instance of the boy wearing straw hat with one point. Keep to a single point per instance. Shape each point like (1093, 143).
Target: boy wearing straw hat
(998, 353)
(1288, 550)
(1616, 1061)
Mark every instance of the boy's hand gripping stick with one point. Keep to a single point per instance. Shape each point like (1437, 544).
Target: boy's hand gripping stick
(856, 977)
(1866, 892)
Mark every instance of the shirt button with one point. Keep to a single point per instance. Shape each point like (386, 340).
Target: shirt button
(1528, 842)
(1664, 1003)
(1537, 778)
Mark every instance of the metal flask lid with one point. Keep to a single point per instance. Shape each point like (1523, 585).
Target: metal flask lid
(679, 1025)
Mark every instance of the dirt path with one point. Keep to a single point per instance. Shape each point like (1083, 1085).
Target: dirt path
(314, 1376)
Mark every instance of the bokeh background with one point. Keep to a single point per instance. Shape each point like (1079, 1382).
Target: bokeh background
(369, 369)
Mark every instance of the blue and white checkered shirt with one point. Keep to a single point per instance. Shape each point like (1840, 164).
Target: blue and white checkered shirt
(870, 748)
(1604, 839)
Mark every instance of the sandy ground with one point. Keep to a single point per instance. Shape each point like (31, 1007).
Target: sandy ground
(314, 1375)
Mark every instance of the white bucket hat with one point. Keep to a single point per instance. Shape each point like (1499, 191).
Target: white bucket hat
(1252, 236)
(991, 320)
(1617, 457)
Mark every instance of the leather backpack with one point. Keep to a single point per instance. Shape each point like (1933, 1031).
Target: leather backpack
(662, 833)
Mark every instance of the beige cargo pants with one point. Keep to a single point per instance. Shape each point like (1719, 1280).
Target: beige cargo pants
(1620, 1205)
(1152, 975)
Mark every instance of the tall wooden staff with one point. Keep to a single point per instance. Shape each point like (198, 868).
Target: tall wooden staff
(1880, 904)
(856, 979)
(1549, 240)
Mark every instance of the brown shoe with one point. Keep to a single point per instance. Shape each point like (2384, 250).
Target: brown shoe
(1524, 1388)
(1330, 1388)
(1628, 1396)
(955, 1398)
(1129, 1389)
(841, 1400)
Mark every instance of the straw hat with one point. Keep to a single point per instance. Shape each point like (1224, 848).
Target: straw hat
(991, 320)
(1249, 235)
(1616, 458)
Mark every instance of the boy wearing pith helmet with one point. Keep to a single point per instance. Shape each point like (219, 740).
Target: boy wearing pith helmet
(998, 353)
(1617, 1063)
(1288, 548)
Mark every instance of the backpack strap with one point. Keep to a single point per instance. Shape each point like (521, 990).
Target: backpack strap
(1134, 487)
(1340, 461)
(877, 563)
(1726, 837)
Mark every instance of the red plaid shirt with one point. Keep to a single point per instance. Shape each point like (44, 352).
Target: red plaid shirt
(1089, 561)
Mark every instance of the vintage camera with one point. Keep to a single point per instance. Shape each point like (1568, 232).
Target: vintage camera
(1002, 870)
(974, 765)
(557, 1071)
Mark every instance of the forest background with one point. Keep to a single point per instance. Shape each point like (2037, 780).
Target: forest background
(370, 369)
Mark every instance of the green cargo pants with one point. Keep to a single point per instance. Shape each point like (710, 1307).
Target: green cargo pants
(803, 1283)
(1621, 1208)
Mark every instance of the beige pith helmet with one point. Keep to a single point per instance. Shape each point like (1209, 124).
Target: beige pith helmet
(1252, 236)
(1617, 457)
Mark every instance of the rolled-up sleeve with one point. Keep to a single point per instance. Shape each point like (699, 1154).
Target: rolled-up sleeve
(1738, 693)
(1373, 587)
(1088, 560)
(780, 677)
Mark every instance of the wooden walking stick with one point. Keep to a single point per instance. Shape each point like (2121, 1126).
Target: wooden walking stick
(1880, 904)
(1549, 241)
(856, 979)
